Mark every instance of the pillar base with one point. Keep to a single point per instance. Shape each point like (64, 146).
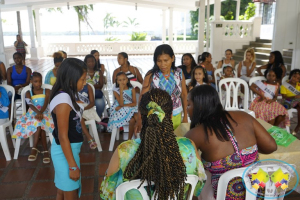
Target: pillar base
(41, 52)
(34, 53)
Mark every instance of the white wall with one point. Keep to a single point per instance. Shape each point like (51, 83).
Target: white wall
(286, 27)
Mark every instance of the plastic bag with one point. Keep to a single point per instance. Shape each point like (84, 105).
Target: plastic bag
(281, 136)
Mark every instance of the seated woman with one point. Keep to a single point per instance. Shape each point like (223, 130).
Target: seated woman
(51, 75)
(157, 156)
(18, 75)
(188, 63)
(227, 140)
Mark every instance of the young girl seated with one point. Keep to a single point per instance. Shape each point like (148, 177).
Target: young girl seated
(37, 121)
(199, 77)
(87, 100)
(205, 60)
(246, 69)
(228, 72)
(18, 75)
(124, 109)
(4, 103)
(290, 92)
(265, 105)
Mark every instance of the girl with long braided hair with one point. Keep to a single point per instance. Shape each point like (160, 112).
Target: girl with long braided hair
(158, 156)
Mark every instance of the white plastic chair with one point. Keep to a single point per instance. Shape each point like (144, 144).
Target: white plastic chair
(115, 132)
(218, 73)
(3, 139)
(92, 127)
(285, 79)
(253, 80)
(123, 188)
(234, 84)
(106, 95)
(187, 81)
(23, 102)
(269, 188)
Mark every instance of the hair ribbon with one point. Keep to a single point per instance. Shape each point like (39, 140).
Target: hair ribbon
(153, 108)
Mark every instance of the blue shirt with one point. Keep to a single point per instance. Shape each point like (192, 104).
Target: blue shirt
(4, 100)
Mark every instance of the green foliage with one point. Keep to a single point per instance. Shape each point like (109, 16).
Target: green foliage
(250, 11)
(58, 9)
(112, 39)
(3, 20)
(188, 37)
(131, 23)
(138, 36)
(110, 21)
(241, 17)
(229, 16)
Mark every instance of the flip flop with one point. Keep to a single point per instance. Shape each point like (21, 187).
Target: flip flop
(33, 157)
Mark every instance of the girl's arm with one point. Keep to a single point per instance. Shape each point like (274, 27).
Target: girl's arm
(99, 84)
(9, 81)
(62, 112)
(39, 114)
(138, 75)
(223, 86)
(133, 99)
(29, 72)
(254, 87)
(252, 69)
(184, 100)
(233, 64)
(47, 78)
(114, 76)
(3, 71)
(213, 75)
(239, 69)
(219, 64)
(260, 68)
(4, 100)
(102, 68)
(46, 100)
(91, 98)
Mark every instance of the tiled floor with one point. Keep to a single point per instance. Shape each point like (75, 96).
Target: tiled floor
(22, 180)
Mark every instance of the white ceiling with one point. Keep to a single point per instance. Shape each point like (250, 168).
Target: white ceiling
(13, 5)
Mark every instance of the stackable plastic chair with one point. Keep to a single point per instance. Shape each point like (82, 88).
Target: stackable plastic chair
(123, 188)
(92, 126)
(18, 140)
(234, 84)
(116, 131)
(269, 188)
(3, 139)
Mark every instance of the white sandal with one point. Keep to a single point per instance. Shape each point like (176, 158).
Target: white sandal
(46, 160)
(33, 157)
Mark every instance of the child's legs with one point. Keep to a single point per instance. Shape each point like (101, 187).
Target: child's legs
(279, 119)
(100, 105)
(131, 127)
(64, 195)
(44, 140)
(272, 121)
(36, 137)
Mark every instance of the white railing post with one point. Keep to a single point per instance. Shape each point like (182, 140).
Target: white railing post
(256, 27)
(238, 5)
(171, 12)
(207, 24)
(201, 23)
(163, 33)
(3, 56)
(33, 49)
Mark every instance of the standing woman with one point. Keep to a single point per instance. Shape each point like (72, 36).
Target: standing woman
(275, 60)
(246, 69)
(95, 77)
(205, 60)
(166, 76)
(132, 73)
(20, 47)
(51, 75)
(68, 122)
(228, 61)
(187, 65)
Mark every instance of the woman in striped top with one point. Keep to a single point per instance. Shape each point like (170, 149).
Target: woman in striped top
(132, 73)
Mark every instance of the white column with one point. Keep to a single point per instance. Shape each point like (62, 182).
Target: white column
(39, 32)
(207, 24)
(2, 50)
(171, 11)
(33, 49)
(257, 9)
(217, 9)
(184, 27)
(163, 31)
(201, 21)
(238, 6)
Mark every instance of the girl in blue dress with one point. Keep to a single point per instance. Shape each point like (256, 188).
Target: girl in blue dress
(124, 109)
(37, 121)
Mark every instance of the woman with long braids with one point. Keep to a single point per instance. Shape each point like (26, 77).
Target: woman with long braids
(226, 139)
(158, 156)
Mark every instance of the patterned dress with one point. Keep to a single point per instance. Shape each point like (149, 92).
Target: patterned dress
(27, 124)
(123, 116)
(241, 158)
(266, 111)
(127, 151)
